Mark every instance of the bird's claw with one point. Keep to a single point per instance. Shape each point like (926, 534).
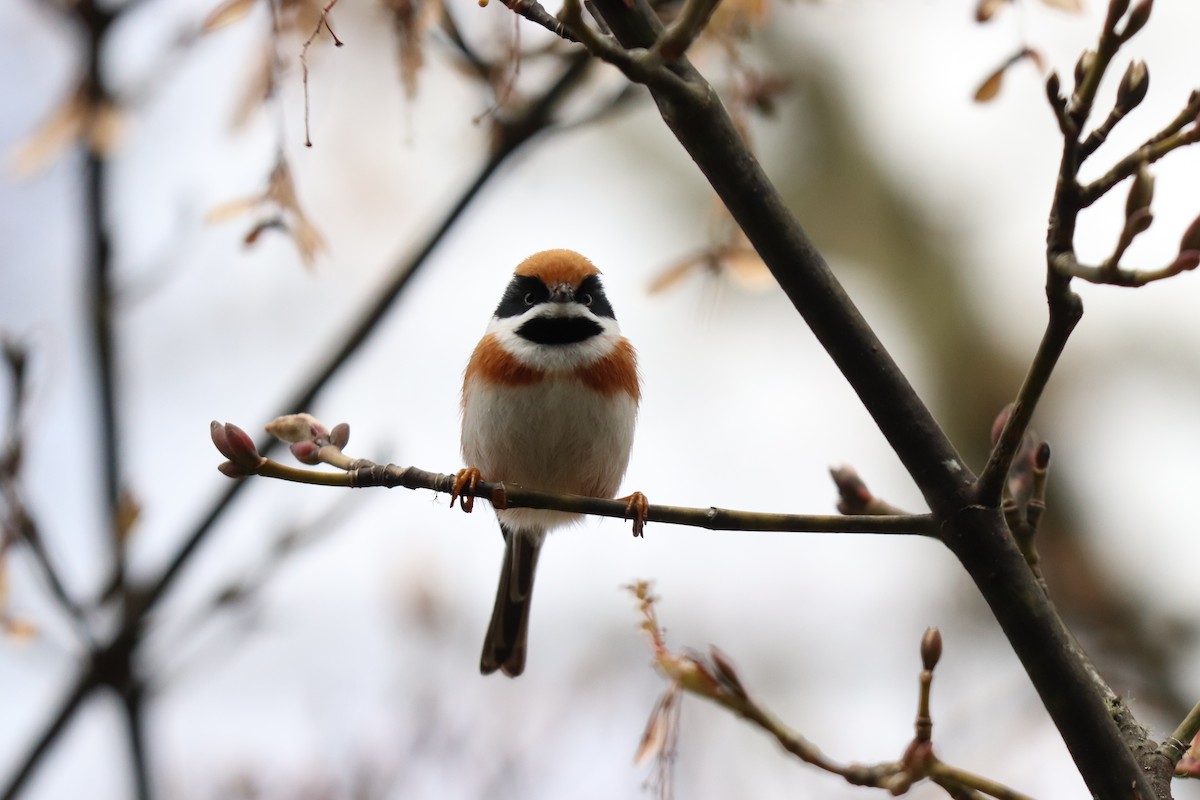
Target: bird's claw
(465, 479)
(636, 508)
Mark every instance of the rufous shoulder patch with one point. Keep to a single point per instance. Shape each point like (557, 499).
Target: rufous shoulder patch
(492, 363)
(616, 372)
(557, 266)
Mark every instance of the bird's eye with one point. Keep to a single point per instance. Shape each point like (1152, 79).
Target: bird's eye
(586, 297)
(528, 298)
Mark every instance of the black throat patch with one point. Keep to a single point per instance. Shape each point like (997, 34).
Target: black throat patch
(559, 330)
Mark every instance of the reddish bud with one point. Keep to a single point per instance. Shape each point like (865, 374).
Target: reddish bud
(931, 648)
(231, 470)
(1186, 261)
(236, 445)
(339, 437)
(306, 453)
(726, 674)
(1041, 459)
(1191, 238)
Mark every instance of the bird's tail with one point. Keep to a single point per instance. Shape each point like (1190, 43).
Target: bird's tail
(504, 645)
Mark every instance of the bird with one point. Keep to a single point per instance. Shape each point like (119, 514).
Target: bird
(549, 401)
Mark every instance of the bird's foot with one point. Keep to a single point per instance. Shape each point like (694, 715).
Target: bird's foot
(636, 508)
(465, 479)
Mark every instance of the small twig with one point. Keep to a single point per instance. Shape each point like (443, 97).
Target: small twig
(646, 67)
(1063, 319)
(1089, 79)
(679, 38)
(1106, 274)
(1177, 744)
(714, 678)
(533, 11)
(1155, 148)
(323, 22)
(71, 703)
(16, 523)
(953, 778)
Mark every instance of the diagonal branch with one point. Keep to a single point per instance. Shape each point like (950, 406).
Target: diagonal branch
(977, 535)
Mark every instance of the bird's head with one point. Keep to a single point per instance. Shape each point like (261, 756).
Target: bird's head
(554, 314)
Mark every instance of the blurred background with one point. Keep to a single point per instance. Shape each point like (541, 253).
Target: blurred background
(323, 643)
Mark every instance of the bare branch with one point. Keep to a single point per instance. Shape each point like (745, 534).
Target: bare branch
(715, 678)
(361, 473)
(1111, 275)
(1166, 141)
(1176, 745)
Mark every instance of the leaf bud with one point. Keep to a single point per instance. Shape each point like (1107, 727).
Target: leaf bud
(236, 445)
(1137, 19)
(1134, 84)
(1141, 192)
(306, 453)
(1191, 238)
(1083, 66)
(339, 437)
(931, 648)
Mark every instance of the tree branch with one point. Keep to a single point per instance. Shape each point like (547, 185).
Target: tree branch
(361, 473)
(82, 687)
(977, 535)
(1063, 319)
(95, 21)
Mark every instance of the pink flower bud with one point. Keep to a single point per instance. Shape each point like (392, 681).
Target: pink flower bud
(306, 452)
(236, 445)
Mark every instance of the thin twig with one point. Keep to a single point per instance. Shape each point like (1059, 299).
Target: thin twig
(96, 21)
(536, 13)
(1155, 148)
(323, 22)
(1108, 274)
(1177, 744)
(367, 474)
(84, 683)
(1063, 319)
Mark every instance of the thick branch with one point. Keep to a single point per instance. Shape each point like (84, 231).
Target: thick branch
(701, 124)
(977, 535)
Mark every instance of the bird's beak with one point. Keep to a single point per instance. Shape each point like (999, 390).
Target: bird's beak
(562, 293)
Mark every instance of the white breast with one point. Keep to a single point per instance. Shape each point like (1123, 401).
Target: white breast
(557, 435)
